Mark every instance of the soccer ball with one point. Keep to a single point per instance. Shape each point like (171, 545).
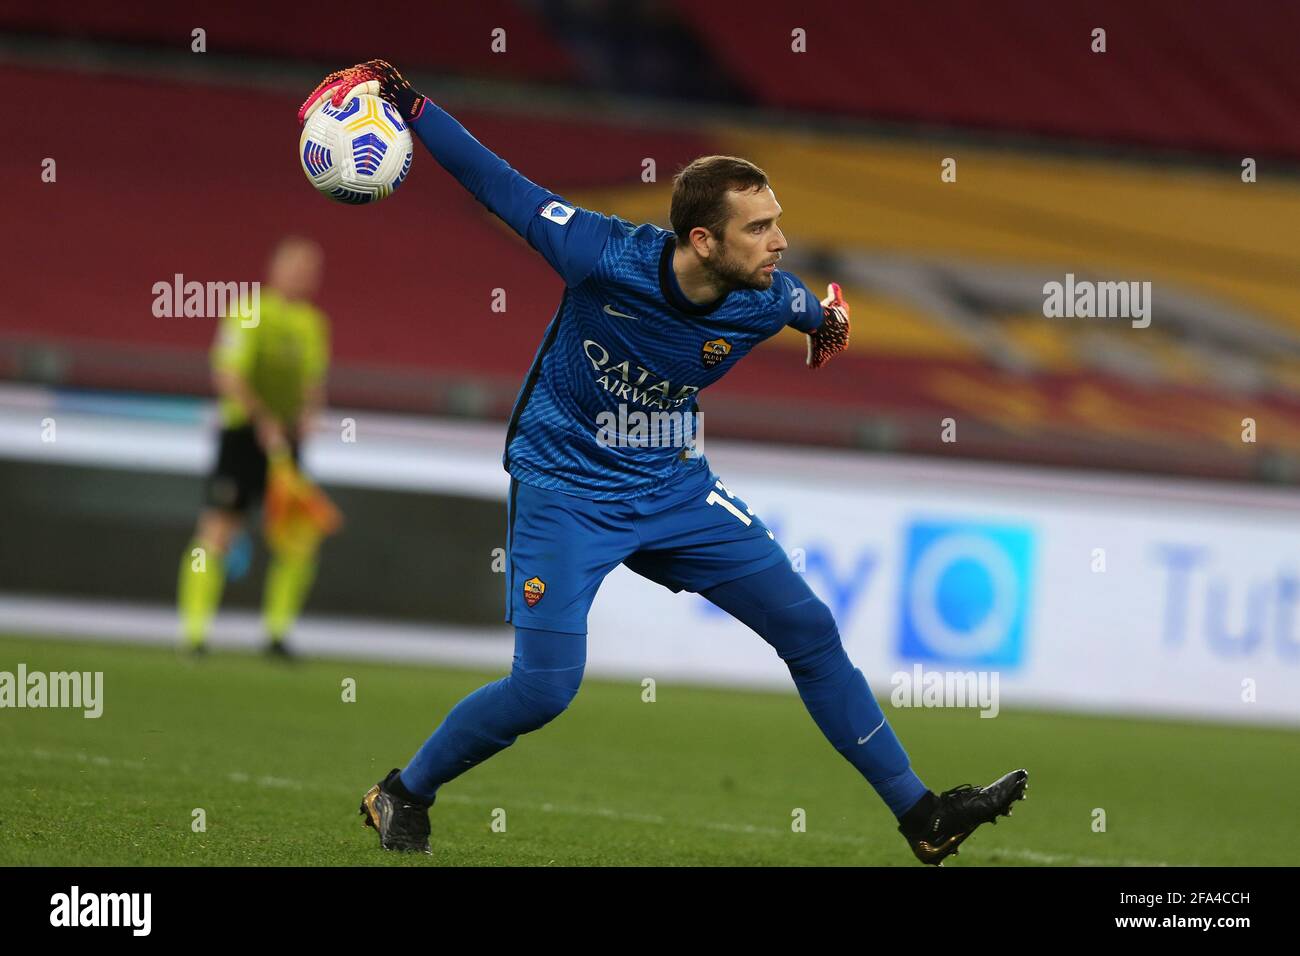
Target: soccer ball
(358, 152)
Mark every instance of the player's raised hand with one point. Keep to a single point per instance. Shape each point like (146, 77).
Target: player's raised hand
(832, 336)
(375, 77)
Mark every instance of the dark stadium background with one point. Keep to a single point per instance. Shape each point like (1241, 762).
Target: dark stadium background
(164, 167)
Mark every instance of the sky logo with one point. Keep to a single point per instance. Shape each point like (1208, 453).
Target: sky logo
(964, 593)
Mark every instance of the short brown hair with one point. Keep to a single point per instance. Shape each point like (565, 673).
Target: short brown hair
(700, 192)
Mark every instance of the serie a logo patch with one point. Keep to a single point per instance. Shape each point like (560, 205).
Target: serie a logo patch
(715, 350)
(534, 588)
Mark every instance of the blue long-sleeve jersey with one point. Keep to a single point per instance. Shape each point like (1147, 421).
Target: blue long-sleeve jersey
(624, 333)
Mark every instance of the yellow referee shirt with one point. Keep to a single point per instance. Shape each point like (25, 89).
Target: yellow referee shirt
(282, 358)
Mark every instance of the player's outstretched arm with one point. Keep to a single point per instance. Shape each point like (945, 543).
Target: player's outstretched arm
(832, 335)
(569, 238)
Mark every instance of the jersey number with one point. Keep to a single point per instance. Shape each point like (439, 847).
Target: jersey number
(717, 499)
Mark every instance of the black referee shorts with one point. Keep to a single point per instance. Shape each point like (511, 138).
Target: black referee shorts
(238, 481)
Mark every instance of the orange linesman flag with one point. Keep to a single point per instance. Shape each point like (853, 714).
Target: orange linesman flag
(297, 513)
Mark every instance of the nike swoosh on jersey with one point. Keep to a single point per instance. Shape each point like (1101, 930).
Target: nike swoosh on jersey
(609, 309)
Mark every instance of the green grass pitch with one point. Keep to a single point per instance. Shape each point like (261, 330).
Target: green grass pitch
(278, 762)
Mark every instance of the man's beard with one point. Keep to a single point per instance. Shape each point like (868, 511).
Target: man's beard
(732, 274)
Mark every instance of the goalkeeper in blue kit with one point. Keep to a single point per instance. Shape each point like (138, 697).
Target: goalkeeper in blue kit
(648, 319)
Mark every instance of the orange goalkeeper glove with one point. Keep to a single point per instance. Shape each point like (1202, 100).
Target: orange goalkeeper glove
(832, 335)
(376, 77)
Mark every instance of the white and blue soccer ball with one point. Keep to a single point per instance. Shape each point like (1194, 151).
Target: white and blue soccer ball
(356, 153)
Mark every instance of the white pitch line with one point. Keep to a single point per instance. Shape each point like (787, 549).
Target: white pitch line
(1054, 858)
(285, 783)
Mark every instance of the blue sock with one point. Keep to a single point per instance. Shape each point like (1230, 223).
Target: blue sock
(545, 677)
(780, 607)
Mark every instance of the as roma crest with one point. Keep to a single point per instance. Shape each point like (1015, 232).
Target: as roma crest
(534, 588)
(715, 350)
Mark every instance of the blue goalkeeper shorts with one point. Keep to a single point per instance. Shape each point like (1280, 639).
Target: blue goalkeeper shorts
(690, 534)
